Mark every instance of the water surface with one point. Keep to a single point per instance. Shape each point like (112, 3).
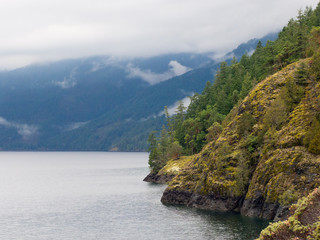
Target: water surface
(85, 195)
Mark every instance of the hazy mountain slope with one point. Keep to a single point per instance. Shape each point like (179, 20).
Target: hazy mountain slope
(250, 46)
(63, 102)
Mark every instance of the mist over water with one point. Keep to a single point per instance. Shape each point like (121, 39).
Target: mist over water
(76, 195)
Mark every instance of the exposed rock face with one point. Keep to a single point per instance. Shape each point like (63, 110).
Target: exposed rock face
(201, 201)
(167, 173)
(158, 178)
(176, 197)
(261, 170)
(303, 222)
(251, 208)
(259, 208)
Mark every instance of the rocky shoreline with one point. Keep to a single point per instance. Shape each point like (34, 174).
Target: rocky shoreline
(158, 178)
(252, 208)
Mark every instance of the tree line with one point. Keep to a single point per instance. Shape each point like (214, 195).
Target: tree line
(187, 131)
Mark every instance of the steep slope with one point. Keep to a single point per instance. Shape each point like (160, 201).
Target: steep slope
(303, 222)
(97, 103)
(262, 160)
(56, 99)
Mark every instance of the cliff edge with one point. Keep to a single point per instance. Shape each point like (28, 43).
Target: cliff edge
(267, 156)
(303, 222)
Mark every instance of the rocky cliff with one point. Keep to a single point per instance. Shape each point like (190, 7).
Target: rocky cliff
(267, 155)
(303, 222)
(169, 171)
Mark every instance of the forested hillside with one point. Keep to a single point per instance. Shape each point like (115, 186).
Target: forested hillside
(254, 134)
(99, 103)
(205, 117)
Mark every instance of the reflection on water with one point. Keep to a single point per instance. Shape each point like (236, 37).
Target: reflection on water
(99, 196)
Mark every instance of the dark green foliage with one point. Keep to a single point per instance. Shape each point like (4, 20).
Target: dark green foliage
(252, 143)
(223, 156)
(202, 121)
(178, 119)
(247, 84)
(316, 16)
(312, 138)
(301, 75)
(175, 150)
(164, 143)
(158, 149)
(242, 175)
(245, 124)
(233, 82)
(214, 132)
(288, 98)
(314, 146)
(314, 44)
(196, 129)
(153, 152)
(292, 94)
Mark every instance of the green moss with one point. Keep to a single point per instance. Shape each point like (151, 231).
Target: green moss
(269, 232)
(304, 223)
(312, 139)
(265, 159)
(173, 167)
(289, 196)
(316, 232)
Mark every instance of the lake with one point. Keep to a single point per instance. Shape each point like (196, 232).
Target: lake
(99, 195)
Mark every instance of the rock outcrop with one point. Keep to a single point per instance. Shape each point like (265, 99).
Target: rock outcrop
(167, 173)
(303, 222)
(260, 164)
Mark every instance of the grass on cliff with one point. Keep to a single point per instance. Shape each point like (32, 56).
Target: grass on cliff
(304, 222)
(174, 166)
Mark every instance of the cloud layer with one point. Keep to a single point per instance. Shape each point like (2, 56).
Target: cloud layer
(172, 109)
(26, 131)
(175, 69)
(42, 30)
(68, 82)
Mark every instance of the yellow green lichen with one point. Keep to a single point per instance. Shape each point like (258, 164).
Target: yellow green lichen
(173, 167)
(304, 223)
(263, 159)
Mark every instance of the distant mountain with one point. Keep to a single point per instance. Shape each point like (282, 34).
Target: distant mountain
(97, 103)
(250, 46)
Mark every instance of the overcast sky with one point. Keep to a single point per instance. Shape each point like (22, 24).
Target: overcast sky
(45, 30)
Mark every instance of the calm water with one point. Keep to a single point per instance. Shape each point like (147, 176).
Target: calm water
(76, 196)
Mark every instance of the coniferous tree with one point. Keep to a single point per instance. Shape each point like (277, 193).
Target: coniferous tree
(154, 157)
(201, 122)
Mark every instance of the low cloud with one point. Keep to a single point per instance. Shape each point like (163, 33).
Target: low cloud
(68, 82)
(173, 108)
(25, 130)
(102, 63)
(97, 66)
(133, 28)
(75, 125)
(175, 69)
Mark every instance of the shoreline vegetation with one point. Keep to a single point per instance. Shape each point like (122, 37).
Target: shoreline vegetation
(250, 143)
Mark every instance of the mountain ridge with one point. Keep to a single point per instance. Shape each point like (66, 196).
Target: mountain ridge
(63, 100)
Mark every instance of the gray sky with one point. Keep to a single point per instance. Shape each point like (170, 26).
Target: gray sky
(43, 30)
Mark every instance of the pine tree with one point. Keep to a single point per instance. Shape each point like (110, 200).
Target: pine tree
(154, 156)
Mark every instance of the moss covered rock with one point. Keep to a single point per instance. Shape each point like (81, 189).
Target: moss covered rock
(303, 223)
(169, 171)
(262, 169)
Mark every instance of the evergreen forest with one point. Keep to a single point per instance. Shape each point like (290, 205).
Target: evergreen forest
(190, 129)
